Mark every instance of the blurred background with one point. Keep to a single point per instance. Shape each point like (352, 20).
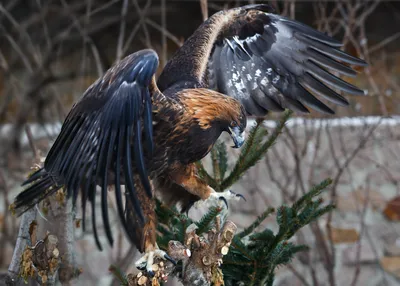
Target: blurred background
(52, 50)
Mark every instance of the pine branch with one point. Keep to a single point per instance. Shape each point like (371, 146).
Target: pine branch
(315, 191)
(205, 223)
(252, 151)
(256, 223)
(252, 261)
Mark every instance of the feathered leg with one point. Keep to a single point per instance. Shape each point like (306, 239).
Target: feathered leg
(144, 235)
(187, 177)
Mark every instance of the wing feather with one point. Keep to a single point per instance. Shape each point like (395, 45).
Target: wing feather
(118, 193)
(318, 87)
(283, 65)
(92, 200)
(102, 132)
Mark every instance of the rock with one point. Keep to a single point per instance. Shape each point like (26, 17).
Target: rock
(392, 209)
(343, 235)
(391, 265)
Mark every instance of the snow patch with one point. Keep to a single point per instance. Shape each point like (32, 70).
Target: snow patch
(336, 122)
(51, 130)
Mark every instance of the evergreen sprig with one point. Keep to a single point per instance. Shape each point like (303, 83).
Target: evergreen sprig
(255, 148)
(254, 256)
(256, 223)
(206, 222)
(172, 225)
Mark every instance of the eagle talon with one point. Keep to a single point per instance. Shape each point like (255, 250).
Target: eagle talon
(145, 263)
(240, 196)
(225, 201)
(151, 273)
(216, 197)
(169, 258)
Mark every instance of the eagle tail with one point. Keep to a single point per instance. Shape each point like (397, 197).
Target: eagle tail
(41, 186)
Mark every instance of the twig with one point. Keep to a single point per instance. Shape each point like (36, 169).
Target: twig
(359, 246)
(84, 34)
(121, 36)
(31, 142)
(142, 14)
(298, 275)
(383, 43)
(204, 9)
(167, 33)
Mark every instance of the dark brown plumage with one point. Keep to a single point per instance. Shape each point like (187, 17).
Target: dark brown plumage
(129, 130)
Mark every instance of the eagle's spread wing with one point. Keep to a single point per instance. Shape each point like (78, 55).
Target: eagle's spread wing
(97, 136)
(266, 61)
(270, 62)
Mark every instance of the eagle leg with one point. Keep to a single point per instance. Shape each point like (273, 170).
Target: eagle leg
(187, 177)
(144, 235)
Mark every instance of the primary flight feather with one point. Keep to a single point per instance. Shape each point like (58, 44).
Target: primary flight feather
(140, 136)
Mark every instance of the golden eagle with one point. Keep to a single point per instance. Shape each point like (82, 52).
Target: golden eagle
(129, 129)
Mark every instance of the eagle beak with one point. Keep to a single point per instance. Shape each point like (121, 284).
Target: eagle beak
(237, 136)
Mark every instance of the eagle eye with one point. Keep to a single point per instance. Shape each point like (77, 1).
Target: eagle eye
(242, 12)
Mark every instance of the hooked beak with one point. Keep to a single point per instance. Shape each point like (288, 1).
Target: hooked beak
(237, 136)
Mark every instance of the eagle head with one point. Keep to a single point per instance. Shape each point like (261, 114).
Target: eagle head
(213, 110)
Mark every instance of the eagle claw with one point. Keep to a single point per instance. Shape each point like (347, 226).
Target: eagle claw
(231, 195)
(169, 258)
(216, 197)
(240, 196)
(147, 260)
(225, 201)
(225, 196)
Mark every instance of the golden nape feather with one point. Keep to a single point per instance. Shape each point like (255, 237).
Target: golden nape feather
(207, 106)
(128, 129)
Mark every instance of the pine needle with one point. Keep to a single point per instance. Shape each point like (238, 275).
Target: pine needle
(256, 223)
